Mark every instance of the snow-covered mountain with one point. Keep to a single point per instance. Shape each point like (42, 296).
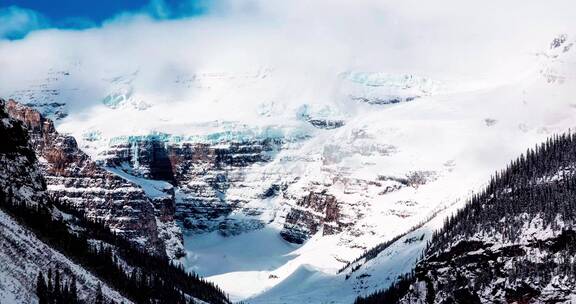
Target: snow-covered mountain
(273, 187)
(95, 258)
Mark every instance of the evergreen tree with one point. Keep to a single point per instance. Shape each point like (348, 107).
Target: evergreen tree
(73, 291)
(99, 299)
(41, 289)
(57, 286)
(50, 289)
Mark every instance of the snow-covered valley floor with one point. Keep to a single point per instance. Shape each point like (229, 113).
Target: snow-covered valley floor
(242, 265)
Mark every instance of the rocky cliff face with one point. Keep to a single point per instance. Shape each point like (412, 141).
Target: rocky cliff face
(23, 255)
(19, 175)
(314, 212)
(202, 175)
(234, 186)
(78, 181)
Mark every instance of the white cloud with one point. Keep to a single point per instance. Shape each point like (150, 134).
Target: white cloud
(307, 43)
(16, 22)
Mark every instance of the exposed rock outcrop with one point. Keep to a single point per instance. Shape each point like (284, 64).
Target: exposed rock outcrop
(202, 174)
(23, 255)
(19, 176)
(326, 123)
(317, 210)
(73, 177)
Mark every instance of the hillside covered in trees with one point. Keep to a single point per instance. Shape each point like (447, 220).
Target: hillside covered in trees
(514, 242)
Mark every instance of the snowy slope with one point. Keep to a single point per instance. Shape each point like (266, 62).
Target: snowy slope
(480, 132)
(23, 256)
(313, 285)
(462, 137)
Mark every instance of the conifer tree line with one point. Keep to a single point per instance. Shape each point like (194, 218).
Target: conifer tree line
(152, 279)
(539, 185)
(541, 182)
(56, 289)
(389, 295)
(376, 250)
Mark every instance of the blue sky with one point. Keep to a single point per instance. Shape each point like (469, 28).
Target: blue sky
(19, 17)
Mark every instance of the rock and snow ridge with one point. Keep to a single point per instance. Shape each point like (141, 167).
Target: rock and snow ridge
(382, 167)
(22, 254)
(513, 242)
(38, 236)
(78, 181)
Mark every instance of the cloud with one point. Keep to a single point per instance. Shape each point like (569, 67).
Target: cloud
(446, 34)
(16, 22)
(305, 43)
